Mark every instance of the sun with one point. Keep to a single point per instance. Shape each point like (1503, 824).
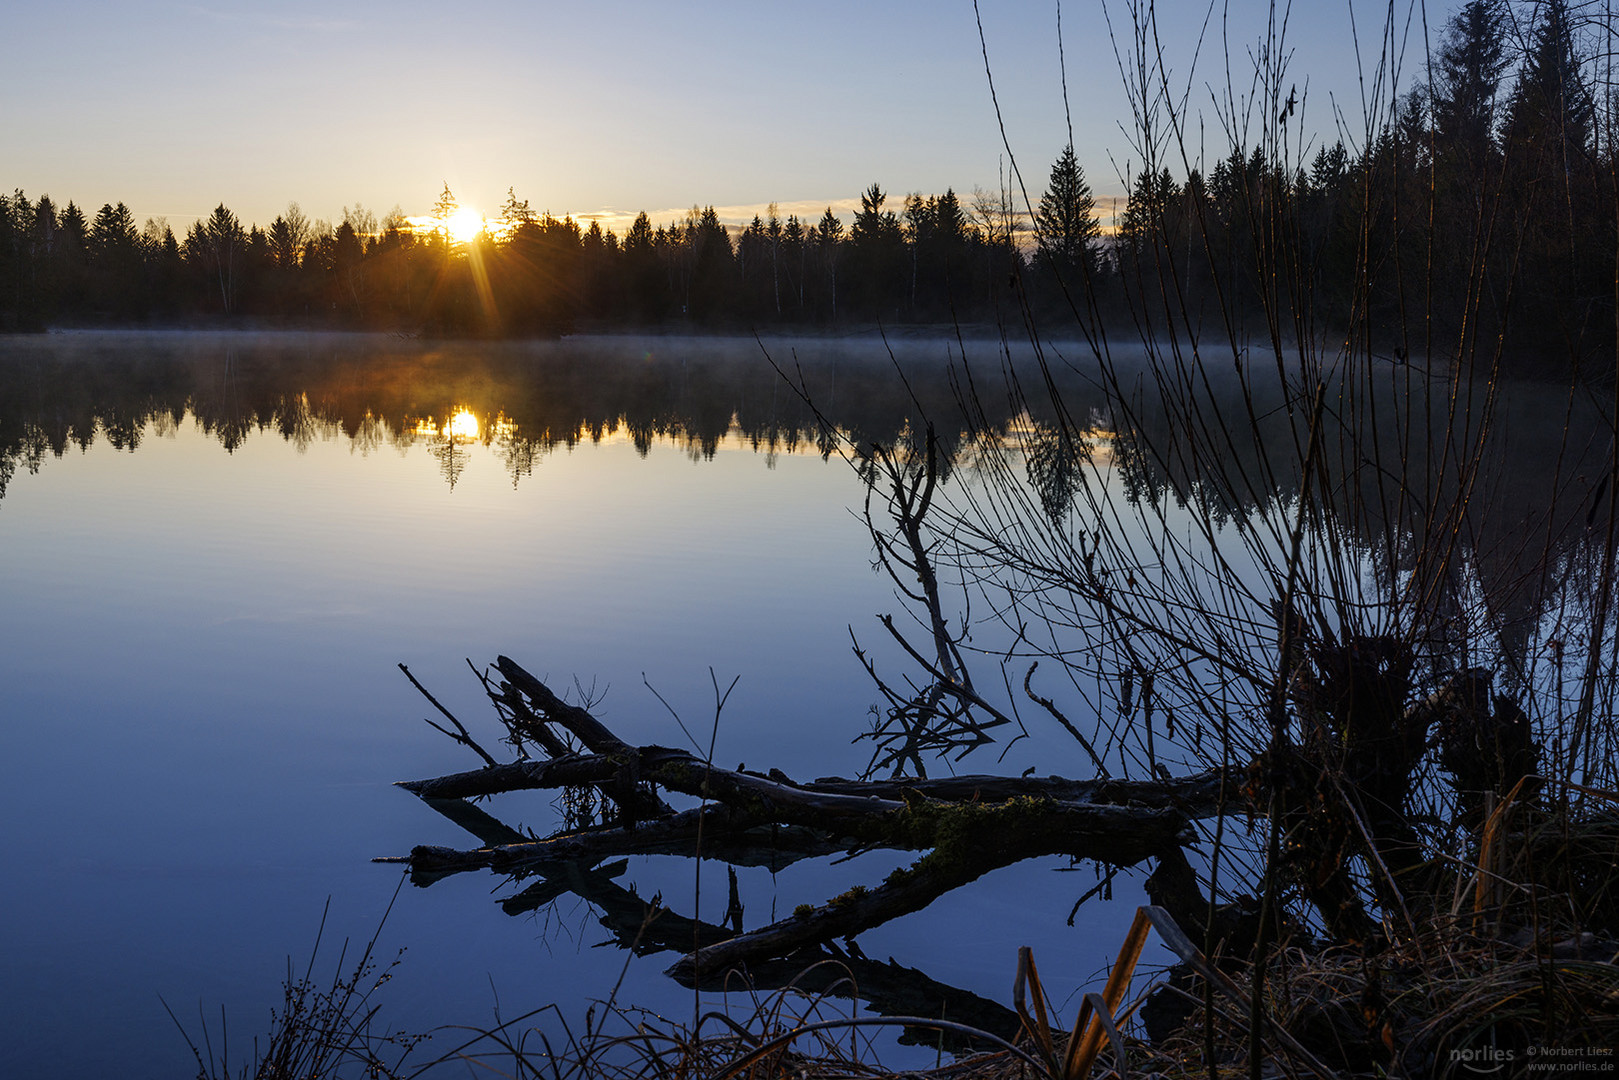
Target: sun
(463, 426)
(464, 224)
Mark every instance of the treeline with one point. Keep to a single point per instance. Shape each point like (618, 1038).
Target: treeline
(1480, 216)
(1479, 219)
(1483, 211)
(533, 274)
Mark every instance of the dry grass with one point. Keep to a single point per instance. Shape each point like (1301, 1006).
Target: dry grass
(324, 1028)
(1469, 980)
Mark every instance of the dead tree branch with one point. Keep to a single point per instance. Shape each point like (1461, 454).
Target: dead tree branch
(965, 826)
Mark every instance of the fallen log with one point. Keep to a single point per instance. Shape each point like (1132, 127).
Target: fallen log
(586, 728)
(966, 826)
(823, 803)
(675, 770)
(1198, 795)
(977, 839)
(645, 926)
(711, 832)
(1103, 831)
(571, 771)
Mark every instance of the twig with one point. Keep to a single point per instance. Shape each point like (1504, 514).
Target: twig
(460, 734)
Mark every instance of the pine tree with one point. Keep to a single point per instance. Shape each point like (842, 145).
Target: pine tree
(1551, 109)
(1553, 186)
(1146, 215)
(1065, 224)
(283, 247)
(444, 209)
(219, 244)
(113, 230)
(645, 285)
(795, 255)
(116, 262)
(773, 231)
(514, 214)
(829, 242)
(1466, 76)
(877, 254)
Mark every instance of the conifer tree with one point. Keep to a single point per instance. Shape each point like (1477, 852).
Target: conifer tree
(284, 249)
(217, 246)
(795, 255)
(877, 253)
(1551, 99)
(1466, 76)
(1065, 224)
(444, 209)
(116, 263)
(829, 243)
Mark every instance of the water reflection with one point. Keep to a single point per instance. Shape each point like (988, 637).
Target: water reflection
(522, 402)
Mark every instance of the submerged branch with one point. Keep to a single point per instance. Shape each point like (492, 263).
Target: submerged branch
(711, 832)
(977, 839)
(967, 826)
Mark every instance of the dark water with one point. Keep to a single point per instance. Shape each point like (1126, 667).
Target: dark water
(215, 550)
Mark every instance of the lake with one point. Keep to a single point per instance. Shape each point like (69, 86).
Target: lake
(217, 548)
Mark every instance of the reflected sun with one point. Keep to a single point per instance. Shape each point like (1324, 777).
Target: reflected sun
(463, 426)
(464, 224)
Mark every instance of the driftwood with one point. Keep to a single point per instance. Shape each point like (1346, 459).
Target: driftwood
(964, 826)
(645, 926)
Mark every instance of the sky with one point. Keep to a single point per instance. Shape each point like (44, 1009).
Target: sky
(605, 109)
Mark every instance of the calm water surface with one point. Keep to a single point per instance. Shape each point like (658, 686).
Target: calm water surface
(214, 551)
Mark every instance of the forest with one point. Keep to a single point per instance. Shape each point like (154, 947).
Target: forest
(1491, 189)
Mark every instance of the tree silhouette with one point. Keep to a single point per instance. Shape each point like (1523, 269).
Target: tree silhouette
(1550, 109)
(1552, 192)
(1462, 190)
(1065, 224)
(216, 247)
(829, 246)
(877, 254)
(712, 267)
(443, 210)
(514, 213)
(648, 296)
(1466, 75)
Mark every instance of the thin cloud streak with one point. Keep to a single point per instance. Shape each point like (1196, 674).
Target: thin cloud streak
(310, 24)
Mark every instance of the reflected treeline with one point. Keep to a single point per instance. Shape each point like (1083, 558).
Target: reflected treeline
(521, 400)
(1539, 476)
(1454, 485)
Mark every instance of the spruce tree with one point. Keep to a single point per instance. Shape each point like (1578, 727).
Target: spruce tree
(1551, 110)
(1466, 75)
(877, 254)
(1554, 187)
(1065, 224)
(829, 242)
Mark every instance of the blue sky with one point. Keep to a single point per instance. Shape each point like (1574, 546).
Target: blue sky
(610, 108)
